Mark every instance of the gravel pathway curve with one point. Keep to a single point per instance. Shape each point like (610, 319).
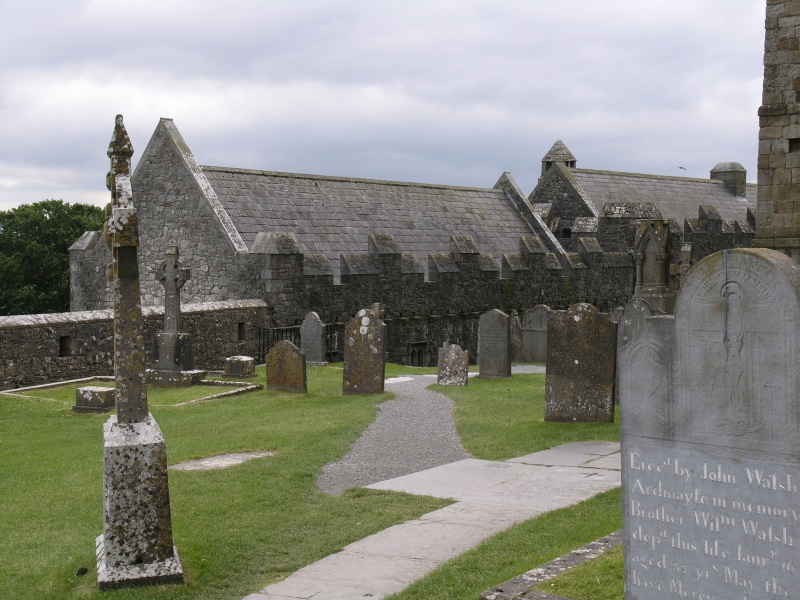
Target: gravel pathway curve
(413, 431)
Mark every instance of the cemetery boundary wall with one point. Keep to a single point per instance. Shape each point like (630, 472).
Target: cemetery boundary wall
(51, 347)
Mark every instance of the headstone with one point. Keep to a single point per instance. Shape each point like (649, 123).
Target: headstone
(312, 340)
(94, 398)
(286, 368)
(453, 365)
(173, 353)
(494, 345)
(534, 334)
(711, 434)
(581, 362)
(516, 338)
(240, 366)
(136, 545)
(364, 353)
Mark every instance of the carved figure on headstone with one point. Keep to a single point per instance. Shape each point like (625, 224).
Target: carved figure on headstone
(136, 546)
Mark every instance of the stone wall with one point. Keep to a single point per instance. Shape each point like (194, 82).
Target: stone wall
(52, 347)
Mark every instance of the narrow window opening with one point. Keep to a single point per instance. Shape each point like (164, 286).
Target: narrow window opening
(65, 346)
(566, 232)
(794, 145)
(240, 332)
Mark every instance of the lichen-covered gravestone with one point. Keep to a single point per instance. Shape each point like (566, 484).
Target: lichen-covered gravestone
(286, 368)
(581, 362)
(711, 434)
(240, 366)
(94, 398)
(534, 333)
(364, 353)
(453, 365)
(312, 341)
(494, 345)
(136, 545)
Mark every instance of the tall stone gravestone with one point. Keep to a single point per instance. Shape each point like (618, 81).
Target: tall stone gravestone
(581, 362)
(173, 352)
(364, 353)
(494, 345)
(453, 365)
(516, 337)
(136, 545)
(534, 334)
(286, 368)
(312, 340)
(711, 434)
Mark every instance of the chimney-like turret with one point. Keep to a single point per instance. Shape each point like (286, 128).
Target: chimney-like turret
(733, 175)
(559, 153)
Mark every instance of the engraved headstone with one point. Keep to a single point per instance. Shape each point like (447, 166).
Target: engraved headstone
(581, 359)
(364, 353)
(136, 545)
(534, 334)
(312, 340)
(494, 345)
(516, 338)
(173, 352)
(711, 434)
(286, 368)
(453, 365)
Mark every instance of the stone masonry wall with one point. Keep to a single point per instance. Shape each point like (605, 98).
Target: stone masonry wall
(53, 347)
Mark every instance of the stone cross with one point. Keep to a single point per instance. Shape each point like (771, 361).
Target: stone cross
(172, 275)
(122, 236)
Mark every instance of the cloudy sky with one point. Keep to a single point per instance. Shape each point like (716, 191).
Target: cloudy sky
(436, 91)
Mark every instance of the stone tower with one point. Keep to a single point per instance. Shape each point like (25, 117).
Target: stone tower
(778, 209)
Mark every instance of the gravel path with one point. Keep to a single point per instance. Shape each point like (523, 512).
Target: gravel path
(413, 431)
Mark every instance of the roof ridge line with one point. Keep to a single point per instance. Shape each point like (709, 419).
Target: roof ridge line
(648, 175)
(339, 178)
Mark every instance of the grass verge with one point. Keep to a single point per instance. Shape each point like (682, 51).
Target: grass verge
(598, 579)
(236, 529)
(519, 549)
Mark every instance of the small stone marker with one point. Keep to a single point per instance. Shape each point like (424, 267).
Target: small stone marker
(286, 368)
(711, 434)
(534, 334)
(581, 362)
(94, 398)
(312, 340)
(240, 366)
(364, 353)
(453, 365)
(494, 345)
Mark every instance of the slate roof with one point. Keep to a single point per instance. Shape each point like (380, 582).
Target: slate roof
(676, 197)
(335, 215)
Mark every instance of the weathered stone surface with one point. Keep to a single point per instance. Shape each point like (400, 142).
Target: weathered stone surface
(312, 341)
(94, 398)
(137, 527)
(711, 434)
(516, 338)
(453, 365)
(240, 366)
(364, 353)
(534, 334)
(581, 362)
(135, 547)
(175, 378)
(494, 345)
(286, 368)
(652, 249)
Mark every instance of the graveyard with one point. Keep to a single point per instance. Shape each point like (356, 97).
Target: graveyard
(239, 528)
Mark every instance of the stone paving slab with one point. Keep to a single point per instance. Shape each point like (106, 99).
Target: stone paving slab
(491, 496)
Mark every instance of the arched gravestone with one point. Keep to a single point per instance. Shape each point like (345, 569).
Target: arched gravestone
(286, 368)
(311, 339)
(364, 354)
(494, 345)
(534, 333)
(711, 434)
(453, 365)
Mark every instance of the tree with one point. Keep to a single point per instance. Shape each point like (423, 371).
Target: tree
(34, 257)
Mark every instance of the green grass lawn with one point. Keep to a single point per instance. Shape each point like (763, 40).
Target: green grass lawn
(597, 579)
(241, 528)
